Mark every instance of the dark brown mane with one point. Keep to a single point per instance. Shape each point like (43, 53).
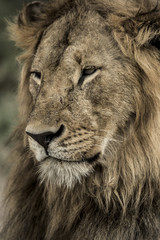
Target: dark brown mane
(37, 212)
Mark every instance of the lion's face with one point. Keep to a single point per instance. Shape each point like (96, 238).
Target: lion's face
(82, 89)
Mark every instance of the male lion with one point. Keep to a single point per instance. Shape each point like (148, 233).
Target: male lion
(87, 156)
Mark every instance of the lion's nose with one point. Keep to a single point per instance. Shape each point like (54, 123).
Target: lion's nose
(45, 138)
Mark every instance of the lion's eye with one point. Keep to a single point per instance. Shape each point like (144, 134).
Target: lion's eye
(87, 71)
(36, 77)
(35, 82)
(36, 74)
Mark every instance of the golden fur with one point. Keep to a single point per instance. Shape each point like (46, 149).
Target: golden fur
(112, 115)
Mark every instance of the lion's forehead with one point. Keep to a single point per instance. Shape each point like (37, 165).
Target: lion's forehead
(80, 39)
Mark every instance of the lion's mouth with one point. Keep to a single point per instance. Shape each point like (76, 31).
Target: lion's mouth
(83, 160)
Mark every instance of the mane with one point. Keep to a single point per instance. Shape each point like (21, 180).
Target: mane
(126, 184)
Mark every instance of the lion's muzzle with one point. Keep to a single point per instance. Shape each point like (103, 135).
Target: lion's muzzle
(45, 138)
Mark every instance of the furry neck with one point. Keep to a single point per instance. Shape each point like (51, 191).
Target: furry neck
(124, 184)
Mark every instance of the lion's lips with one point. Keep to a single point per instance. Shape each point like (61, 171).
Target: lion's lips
(83, 160)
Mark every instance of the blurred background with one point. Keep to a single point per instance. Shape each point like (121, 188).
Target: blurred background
(9, 77)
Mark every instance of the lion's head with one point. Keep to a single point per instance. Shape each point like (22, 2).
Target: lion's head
(90, 102)
(83, 90)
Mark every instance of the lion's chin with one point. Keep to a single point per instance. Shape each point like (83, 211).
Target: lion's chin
(63, 173)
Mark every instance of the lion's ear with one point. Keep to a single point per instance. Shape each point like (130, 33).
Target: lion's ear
(138, 20)
(27, 28)
(31, 13)
(147, 28)
(144, 27)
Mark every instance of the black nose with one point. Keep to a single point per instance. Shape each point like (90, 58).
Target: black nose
(45, 138)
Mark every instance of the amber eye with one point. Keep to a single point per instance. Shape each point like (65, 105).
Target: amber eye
(88, 70)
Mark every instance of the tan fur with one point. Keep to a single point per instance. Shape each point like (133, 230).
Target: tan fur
(113, 114)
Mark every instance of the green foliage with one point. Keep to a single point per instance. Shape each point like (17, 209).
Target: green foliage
(9, 70)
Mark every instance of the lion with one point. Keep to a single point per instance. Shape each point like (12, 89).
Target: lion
(86, 162)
